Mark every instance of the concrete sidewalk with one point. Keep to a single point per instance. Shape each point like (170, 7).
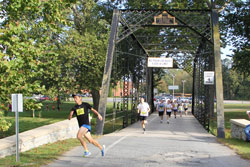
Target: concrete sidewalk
(181, 143)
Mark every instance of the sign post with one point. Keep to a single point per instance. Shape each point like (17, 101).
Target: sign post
(173, 87)
(208, 77)
(17, 106)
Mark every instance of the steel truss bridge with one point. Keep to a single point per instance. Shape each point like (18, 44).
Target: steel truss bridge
(189, 36)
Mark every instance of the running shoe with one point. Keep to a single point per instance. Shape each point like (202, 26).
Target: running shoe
(161, 121)
(86, 153)
(103, 150)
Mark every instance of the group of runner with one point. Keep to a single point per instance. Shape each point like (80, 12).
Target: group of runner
(171, 106)
(162, 107)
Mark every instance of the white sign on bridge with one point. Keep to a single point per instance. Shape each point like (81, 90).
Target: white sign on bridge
(174, 87)
(160, 62)
(208, 77)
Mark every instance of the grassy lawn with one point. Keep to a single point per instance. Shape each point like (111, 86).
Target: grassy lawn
(27, 122)
(237, 106)
(241, 147)
(41, 155)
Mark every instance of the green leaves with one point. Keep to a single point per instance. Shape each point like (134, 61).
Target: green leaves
(25, 37)
(236, 27)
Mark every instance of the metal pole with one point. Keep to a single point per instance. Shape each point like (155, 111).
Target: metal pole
(194, 85)
(173, 86)
(183, 81)
(17, 132)
(107, 72)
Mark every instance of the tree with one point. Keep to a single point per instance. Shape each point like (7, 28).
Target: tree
(25, 33)
(162, 87)
(236, 27)
(85, 46)
(236, 85)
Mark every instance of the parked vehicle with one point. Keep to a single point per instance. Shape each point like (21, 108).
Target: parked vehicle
(42, 98)
(190, 100)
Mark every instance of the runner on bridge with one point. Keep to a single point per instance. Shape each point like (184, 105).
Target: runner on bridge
(143, 110)
(82, 115)
(161, 109)
(175, 108)
(180, 108)
(186, 105)
(169, 107)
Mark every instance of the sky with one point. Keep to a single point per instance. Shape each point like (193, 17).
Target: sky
(226, 51)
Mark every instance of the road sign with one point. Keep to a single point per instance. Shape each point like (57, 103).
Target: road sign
(17, 102)
(160, 62)
(208, 77)
(174, 87)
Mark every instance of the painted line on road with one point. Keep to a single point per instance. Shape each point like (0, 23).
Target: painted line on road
(115, 143)
(156, 116)
(122, 138)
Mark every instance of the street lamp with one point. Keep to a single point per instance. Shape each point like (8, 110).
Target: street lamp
(173, 84)
(167, 71)
(183, 81)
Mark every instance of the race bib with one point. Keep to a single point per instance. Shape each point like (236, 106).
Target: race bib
(80, 111)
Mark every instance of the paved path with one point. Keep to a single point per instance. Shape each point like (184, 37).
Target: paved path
(182, 143)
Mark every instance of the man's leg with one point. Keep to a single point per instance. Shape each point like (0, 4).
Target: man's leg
(92, 141)
(168, 117)
(143, 124)
(81, 132)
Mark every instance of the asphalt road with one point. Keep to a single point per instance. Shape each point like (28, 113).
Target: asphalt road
(182, 143)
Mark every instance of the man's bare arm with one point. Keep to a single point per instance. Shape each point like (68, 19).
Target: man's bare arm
(97, 113)
(70, 115)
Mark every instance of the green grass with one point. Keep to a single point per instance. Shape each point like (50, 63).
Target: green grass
(27, 122)
(241, 147)
(41, 155)
(237, 106)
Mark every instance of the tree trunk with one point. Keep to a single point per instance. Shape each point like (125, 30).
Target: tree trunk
(58, 103)
(40, 114)
(96, 98)
(33, 113)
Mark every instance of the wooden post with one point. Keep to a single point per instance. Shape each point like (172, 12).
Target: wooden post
(218, 76)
